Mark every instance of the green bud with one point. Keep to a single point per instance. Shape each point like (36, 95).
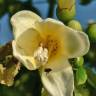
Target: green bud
(66, 15)
(92, 32)
(75, 25)
(65, 4)
(81, 76)
(79, 61)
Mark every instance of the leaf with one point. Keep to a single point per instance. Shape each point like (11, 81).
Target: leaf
(9, 65)
(81, 76)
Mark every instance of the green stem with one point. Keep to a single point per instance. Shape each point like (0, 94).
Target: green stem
(51, 8)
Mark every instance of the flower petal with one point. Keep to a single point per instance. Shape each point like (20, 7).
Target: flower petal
(77, 48)
(27, 61)
(23, 20)
(60, 83)
(25, 46)
(57, 64)
(72, 43)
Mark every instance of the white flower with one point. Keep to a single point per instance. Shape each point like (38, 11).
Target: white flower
(48, 44)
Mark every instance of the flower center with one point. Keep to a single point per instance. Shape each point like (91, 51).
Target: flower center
(47, 49)
(52, 45)
(41, 55)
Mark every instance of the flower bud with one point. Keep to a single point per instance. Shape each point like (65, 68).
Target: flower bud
(66, 10)
(75, 25)
(92, 32)
(65, 4)
(81, 76)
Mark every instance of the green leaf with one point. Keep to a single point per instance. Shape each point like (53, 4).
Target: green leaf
(81, 76)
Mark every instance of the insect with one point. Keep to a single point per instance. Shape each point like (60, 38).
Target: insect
(48, 70)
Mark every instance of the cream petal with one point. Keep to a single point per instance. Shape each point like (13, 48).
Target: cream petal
(29, 41)
(23, 20)
(23, 59)
(60, 83)
(77, 45)
(25, 46)
(56, 64)
(72, 43)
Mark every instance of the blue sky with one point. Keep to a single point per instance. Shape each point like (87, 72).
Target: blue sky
(83, 14)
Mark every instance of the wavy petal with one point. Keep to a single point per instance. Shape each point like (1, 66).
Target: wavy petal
(60, 83)
(77, 44)
(72, 43)
(23, 20)
(25, 46)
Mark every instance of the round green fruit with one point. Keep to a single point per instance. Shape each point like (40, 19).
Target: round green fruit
(92, 32)
(75, 25)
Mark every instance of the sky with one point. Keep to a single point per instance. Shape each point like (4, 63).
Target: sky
(83, 14)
